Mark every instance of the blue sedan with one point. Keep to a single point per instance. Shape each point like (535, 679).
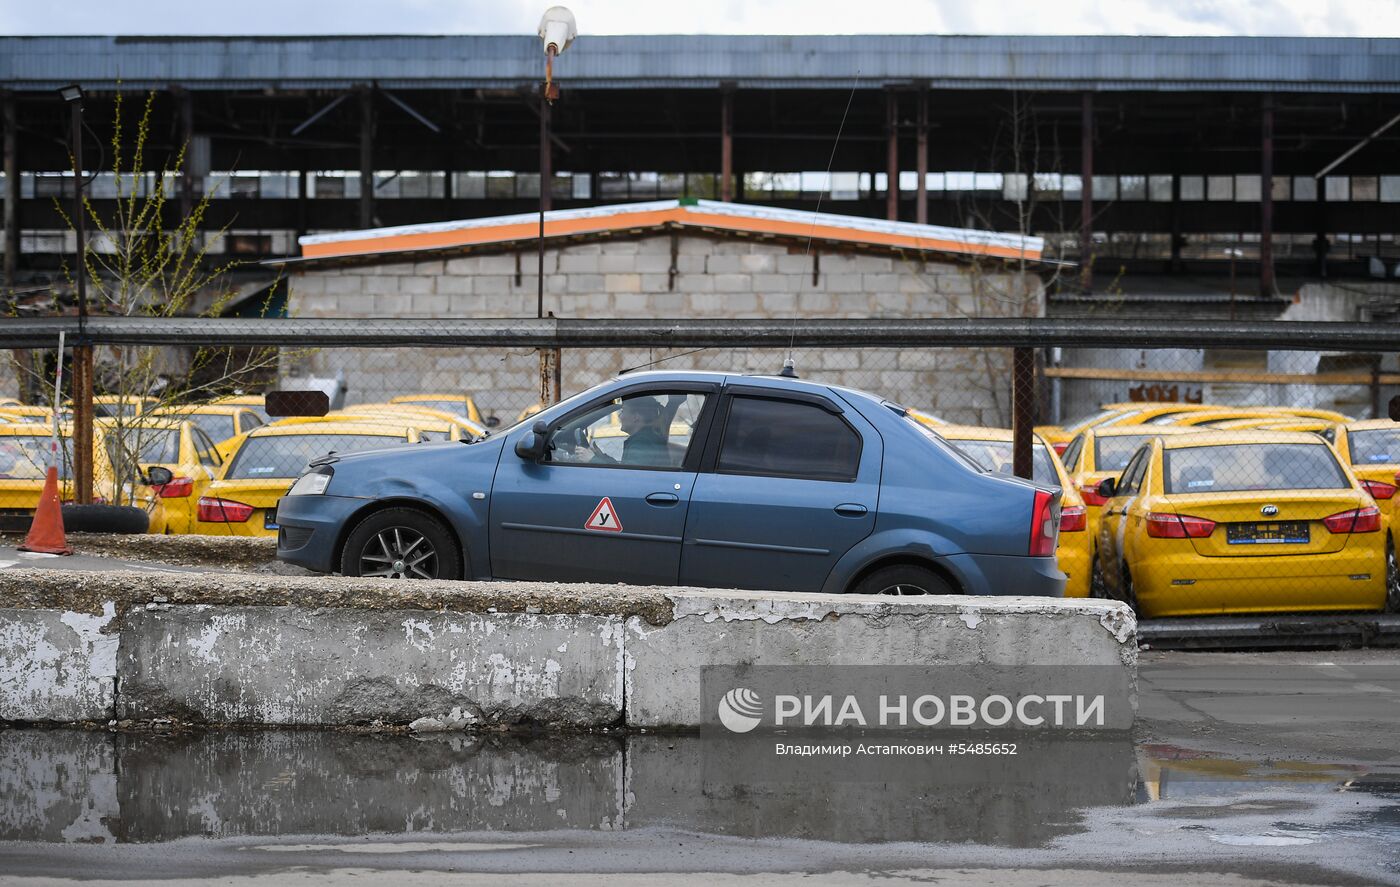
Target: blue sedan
(685, 478)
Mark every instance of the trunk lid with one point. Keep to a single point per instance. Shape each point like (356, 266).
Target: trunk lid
(1242, 517)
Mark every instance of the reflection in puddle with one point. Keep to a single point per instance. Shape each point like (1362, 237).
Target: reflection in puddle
(68, 786)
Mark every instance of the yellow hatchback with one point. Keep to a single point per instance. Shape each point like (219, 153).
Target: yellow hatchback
(242, 500)
(991, 448)
(1372, 448)
(1242, 522)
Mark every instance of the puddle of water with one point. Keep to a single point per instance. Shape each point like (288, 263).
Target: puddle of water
(65, 786)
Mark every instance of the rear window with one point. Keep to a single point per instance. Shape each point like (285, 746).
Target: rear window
(1376, 447)
(286, 455)
(26, 457)
(1113, 453)
(1242, 467)
(995, 456)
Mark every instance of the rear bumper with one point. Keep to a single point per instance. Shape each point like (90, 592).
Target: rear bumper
(1008, 575)
(311, 527)
(1350, 579)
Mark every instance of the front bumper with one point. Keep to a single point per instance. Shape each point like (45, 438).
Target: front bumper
(311, 528)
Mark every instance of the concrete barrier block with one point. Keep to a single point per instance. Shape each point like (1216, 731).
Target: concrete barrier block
(434, 670)
(738, 630)
(57, 665)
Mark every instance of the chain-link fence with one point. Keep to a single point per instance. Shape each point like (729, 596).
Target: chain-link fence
(1205, 468)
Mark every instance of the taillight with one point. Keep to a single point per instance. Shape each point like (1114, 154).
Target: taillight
(1060, 447)
(1162, 525)
(1043, 531)
(1358, 520)
(1379, 489)
(1073, 519)
(178, 488)
(223, 511)
(1091, 495)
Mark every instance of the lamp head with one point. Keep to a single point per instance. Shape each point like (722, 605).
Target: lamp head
(71, 93)
(557, 29)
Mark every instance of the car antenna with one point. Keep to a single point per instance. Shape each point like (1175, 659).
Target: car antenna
(788, 367)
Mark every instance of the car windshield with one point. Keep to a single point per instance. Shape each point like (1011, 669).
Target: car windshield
(995, 456)
(145, 446)
(1229, 468)
(1113, 453)
(26, 456)
(1098, 418)
(285, 455)
(1378, 446)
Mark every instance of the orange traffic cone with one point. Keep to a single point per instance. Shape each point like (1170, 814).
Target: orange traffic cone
(46, 531)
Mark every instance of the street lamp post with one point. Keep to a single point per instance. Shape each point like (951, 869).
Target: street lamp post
(557, 30)
(82, 349)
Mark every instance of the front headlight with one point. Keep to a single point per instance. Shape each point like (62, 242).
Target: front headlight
(313, 484)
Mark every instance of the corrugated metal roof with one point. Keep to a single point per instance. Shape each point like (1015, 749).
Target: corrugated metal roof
(1289, 64)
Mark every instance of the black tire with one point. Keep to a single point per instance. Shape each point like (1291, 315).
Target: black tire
(1392, 579)
(903, 579)
(123, 519)
(420, 545)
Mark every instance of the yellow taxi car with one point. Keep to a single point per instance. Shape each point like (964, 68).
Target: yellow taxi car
(1226, 414)
(437, 424)
(457, 404)
(242, 500)
(1372, 448)
(255, 402)
(220, 421)
(137, 444)
(24, 461)
(28, 413)
(1238, 522)
(991, 448)
(1114, 414)
(1100, 453)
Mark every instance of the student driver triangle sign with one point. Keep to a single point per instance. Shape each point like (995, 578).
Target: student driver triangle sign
(604, 517)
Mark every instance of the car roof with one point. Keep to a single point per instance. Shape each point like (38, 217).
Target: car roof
(1252, 436)
(1131, 430)
(199, 409)
(332, 428)
(32, 428)
(1371, 424)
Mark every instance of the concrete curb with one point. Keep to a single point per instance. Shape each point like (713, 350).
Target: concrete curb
(327, 651)
(222, 552)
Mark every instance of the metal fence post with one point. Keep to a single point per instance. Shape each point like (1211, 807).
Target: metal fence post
(1022, 410)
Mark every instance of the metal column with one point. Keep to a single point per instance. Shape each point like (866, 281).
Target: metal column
(366, 157)
(186, 107)
(11, 190)
(921, 161)
(1086, 193)
(1022, 411)
(726, 146)
(1266, 200)
(892, 156)
(82, 352)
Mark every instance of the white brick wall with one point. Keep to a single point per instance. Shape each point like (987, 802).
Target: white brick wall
(631, 278)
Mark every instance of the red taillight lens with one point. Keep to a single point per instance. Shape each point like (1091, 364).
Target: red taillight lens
(1043, 531)
(1358, 520)
(1060, 447)
(1162, 525)
(223, 511)
(178, 488)
(1073, 519)
(1091, 495)
(1379, 489)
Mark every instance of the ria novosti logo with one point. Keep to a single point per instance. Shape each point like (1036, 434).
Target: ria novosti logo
(740, 710)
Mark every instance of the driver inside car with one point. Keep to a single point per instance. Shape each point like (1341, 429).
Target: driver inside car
(640, 419)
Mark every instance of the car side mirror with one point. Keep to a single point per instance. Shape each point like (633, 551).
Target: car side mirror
(1107, 487)
(157, 476)
(530, 447)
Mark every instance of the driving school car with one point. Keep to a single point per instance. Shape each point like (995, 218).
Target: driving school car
(718, 480)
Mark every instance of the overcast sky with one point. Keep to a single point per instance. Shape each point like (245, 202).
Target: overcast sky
(1310, 18)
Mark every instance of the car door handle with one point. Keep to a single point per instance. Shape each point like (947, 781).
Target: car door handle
(663, 498)
(850, 509)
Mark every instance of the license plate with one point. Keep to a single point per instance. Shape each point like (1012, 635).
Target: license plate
(270, 519)
(1278, 533)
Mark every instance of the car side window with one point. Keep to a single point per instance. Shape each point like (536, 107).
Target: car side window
(1071, 454)
(1132, 475)
(208, 453)
(247, 422)
(783, 438)
(652, 429)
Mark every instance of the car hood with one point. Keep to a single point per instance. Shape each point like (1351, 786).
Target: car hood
(379, 472)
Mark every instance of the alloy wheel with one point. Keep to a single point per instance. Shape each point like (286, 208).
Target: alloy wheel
(399, 553)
